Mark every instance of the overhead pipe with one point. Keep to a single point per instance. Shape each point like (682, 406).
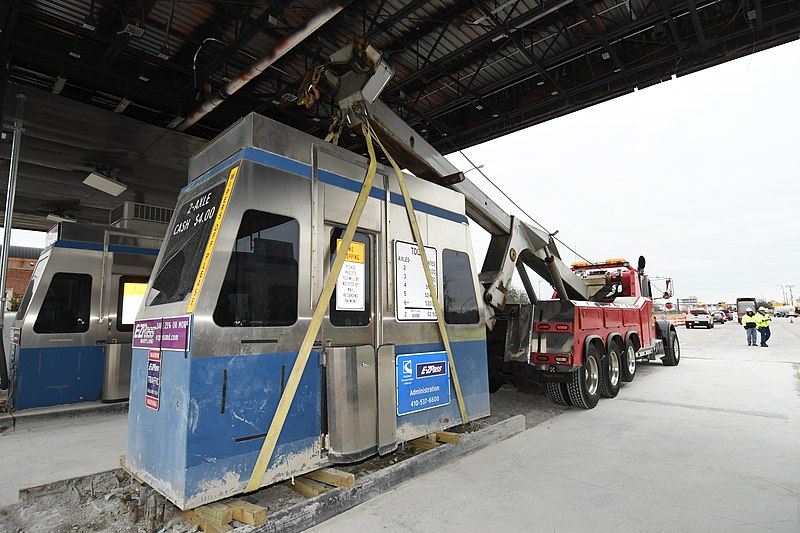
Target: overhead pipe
(311, 25)
(7, 224)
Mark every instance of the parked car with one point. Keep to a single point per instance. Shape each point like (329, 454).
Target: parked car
(699, 317)
(719, 317)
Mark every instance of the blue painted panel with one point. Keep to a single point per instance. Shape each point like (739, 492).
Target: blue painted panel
(156, 448)
(55, 376)
(471, 365)
(252, 394)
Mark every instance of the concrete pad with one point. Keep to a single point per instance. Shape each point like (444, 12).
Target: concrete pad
(710, 445)
(45, 450)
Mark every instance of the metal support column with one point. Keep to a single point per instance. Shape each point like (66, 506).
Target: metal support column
(7, 224)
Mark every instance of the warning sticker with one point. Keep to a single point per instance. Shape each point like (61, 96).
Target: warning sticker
(350, 287)
(153, 390)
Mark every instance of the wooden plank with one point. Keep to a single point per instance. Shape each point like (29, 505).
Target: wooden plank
(423, 443)
(205, 525)
(308, 487)
(124, 467)
(216, 513)
(332, 476)
(446, 436)
(246, 512)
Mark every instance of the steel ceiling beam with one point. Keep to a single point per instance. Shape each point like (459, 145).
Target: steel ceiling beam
(698, 27)
(589, 16)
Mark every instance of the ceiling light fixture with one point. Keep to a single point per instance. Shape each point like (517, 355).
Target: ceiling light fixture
(75, 54)
(122, 106)
(105, 184)
(63, 217)
(59, 84)
(143, 78)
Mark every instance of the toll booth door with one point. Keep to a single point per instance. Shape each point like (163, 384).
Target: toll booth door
(351, 374)
(125, 295)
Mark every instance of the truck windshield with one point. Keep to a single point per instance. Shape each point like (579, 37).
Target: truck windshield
(182, 251)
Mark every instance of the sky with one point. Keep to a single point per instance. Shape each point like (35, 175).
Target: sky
(698, 174)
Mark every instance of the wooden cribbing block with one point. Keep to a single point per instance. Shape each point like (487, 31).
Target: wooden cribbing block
(308, 487)
(446, 436)
(246, 512)
(423, 443)
(209, 527)
(216, 513)
(332, 476)
(127, 471)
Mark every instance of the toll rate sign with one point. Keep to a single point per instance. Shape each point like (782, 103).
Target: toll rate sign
(423, 382)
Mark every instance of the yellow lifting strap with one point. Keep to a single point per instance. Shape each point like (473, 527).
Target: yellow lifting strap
(437, 307)
(276, 426)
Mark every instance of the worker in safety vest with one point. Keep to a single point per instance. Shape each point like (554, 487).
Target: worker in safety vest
(762, 323)
(750, 325)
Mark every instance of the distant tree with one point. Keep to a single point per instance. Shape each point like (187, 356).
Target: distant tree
(762, 303)
(517, 296)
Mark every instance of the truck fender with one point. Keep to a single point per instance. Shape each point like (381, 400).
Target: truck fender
(614, 335)
(592, 338)
(663, 327)
(633, 337)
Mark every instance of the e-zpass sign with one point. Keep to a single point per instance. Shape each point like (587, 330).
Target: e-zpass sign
(423, 382)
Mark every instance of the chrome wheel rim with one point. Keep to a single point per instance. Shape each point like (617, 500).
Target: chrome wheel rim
(631, 360)
(676, 349)
(592, 377)
(613, 367)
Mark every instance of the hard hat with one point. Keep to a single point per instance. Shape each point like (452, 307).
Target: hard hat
(748, 310)
(762, 308)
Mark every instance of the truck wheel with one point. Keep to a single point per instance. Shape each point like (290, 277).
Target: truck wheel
(612, 372)
(672, 351)
(628, 362)
(584, 388)
(557, 392)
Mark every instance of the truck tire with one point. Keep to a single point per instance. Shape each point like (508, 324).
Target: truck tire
(628, 362)
(672, 350)
(558, 393)
(610, 377)
(584, 388)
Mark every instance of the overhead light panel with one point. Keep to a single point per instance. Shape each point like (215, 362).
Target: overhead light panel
(143, 78)
(59, 84)
(102, 183)
(163, 53)
(122, 106)
(55, 217)
(605, 55)
(75, 54)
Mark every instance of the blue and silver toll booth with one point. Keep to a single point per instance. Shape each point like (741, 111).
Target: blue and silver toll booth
(231, 296)
(71, 337)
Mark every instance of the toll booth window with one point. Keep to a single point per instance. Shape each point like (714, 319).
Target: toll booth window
(129, 298)
(65, 308)
(351, 301)
(185, 245)
(460, 302)
(260, 286)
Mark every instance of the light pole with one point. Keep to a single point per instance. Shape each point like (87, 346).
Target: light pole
(791, 295)
(783, 290)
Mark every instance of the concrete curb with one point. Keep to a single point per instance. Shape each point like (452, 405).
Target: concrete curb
(11, 421)
(309, 513)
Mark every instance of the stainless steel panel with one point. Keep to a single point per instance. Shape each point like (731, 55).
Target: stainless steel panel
(518, 334)
(117, 375)
(352, 402)
(387, 400)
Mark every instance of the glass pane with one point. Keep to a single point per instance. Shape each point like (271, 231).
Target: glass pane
(26, 298)
(260, 287)
(351, 304)
(184, 247)
(66, 306)
(460, 302)
(130, 296)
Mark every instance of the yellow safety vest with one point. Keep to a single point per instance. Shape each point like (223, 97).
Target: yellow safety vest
(762, 320)
(747, 319)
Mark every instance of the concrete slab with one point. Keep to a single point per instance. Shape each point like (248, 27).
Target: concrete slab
(43, 450)
(710, 445)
